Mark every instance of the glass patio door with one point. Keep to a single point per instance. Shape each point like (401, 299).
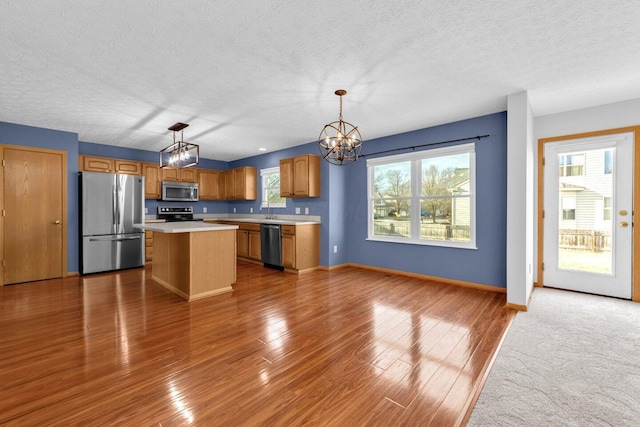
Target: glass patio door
(588, 201)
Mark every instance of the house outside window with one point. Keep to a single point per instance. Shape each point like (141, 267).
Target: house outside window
(569, 208)
(608, 162)
(425, 197)
(571, 164)
(270, 194)
(607, 211)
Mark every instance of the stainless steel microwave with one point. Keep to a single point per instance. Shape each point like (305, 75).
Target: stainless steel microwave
(179, 191)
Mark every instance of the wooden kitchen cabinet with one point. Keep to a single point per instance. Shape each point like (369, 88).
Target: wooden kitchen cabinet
(255, 249)
(183, 174)
(209, 181)
(300, 246)
(148, 246)
(300, 176)
(152, 181)
(242, 239)
(106, 164)
(248, 241)
(241, 183)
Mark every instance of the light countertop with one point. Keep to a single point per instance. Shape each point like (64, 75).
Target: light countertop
(266, 221)
(184, 227)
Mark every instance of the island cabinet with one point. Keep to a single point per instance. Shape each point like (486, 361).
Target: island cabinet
(106, 164)
(241, 183)
(209, 184)
(148, 246)
(183, 174)
(152, 180)
(300, 246)
(300, 176)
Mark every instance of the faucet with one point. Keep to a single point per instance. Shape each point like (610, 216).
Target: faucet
(269, 216)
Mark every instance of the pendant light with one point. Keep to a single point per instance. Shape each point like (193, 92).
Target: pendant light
(340, 142)
(180, 154)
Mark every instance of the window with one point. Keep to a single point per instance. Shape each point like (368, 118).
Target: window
(271, 189)
(607, 213)
(425, 198)
(569, 208)
(571, 164)
(608, 162)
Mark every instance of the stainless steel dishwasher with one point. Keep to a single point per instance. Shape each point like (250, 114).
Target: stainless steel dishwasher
(271, 245)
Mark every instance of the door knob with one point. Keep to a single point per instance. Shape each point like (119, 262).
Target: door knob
(57, 221)
(623, 224)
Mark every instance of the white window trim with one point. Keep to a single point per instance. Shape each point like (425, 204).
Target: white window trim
(264, 173)
(416, 165)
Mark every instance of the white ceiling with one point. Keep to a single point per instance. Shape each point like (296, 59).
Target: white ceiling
(250, 74)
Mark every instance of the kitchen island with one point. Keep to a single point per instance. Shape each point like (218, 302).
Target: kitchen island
(193, 259)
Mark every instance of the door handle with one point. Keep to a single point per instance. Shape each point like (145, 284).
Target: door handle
(623, 224)
(56, 222)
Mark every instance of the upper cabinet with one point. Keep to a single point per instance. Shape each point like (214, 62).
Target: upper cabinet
(105, 164)
(152, 181)
(300, 176)
(184, 175)
(241, 183)
(209, 184)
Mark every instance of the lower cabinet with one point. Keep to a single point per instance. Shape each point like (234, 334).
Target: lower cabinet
(300, 244)
(248, 241)
(148, 246)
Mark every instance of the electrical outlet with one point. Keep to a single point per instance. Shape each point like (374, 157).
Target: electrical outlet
(146, 210)
(306, 211)
(234, 210)
(297, 211)
(204, 210)
(250, 210)
(335, 249)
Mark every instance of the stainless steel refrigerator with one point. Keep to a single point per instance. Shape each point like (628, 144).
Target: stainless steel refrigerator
(110, 204)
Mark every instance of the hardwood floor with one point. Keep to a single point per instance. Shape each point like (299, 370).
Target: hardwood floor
(348, 347)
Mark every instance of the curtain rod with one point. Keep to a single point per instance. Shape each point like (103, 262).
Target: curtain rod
(479, 137)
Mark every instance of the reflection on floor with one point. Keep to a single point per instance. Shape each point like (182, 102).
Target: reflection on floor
(346, 347)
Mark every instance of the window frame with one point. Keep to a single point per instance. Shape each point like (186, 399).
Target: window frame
(264, 176)
(415, 159)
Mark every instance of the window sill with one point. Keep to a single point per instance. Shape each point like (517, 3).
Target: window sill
(437, 243)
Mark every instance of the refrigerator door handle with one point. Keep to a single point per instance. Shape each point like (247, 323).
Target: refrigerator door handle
(114, 239)
(114, 208)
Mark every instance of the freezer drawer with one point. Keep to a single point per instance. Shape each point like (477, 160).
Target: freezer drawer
(115, 252)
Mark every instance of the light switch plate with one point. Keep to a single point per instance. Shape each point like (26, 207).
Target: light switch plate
(297, 211)
(146, 210)
(306, 211)
(234, 210)
(204, 210)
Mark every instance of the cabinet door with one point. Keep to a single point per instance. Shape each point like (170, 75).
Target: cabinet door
(97, 164)
(170, 174)
(208, 183)
(239, 180)
(286, 177)
(188, 175)
(127, 166)
(151, 172)
(301, 176)
(229, 186)
(289, 251)
(243, 243)
(254, 245)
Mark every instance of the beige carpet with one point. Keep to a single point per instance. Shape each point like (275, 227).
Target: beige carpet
(571, 360)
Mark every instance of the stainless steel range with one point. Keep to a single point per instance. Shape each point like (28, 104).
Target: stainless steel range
(175, 214)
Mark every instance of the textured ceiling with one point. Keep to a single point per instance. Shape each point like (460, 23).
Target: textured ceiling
(250, 74)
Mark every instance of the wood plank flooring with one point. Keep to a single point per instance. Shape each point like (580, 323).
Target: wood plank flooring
(348, 347)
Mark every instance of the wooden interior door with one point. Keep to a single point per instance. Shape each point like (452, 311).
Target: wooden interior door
(34, 204)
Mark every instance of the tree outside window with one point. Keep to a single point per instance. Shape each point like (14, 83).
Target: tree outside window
(271, 189)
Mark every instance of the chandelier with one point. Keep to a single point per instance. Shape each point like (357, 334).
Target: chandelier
(180, 154)
(340, 142)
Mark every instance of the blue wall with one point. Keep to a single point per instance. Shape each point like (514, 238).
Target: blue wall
(343, 204)
(487, 264)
